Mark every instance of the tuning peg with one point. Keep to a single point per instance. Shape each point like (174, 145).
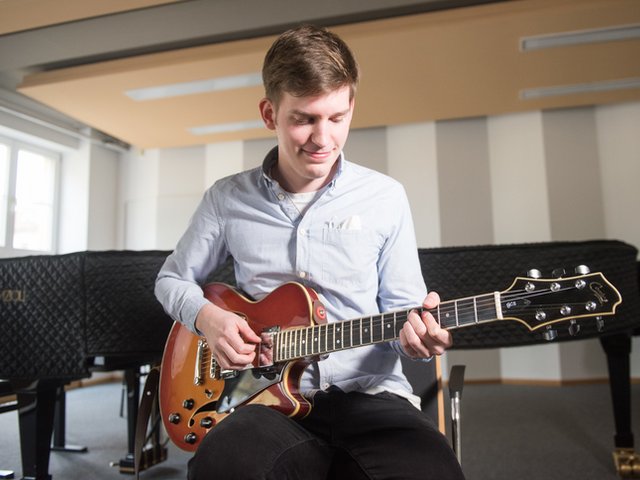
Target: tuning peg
(574, 328)
(582, 270)
(559, 273)
(534, 273)
(549, 334)
(600, 323)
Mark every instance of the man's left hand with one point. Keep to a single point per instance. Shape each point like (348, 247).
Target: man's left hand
(421, 336)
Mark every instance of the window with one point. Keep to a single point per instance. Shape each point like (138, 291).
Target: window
(28, 198)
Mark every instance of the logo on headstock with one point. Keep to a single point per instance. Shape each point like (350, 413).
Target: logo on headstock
(524, 302)
(598, 291)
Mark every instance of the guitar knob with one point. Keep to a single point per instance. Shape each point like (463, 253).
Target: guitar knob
(188, 403)
(534, 273)
(582, 270)
(206, 422)
(174, 418)
(550, 334)
(574, 328)
(190, 438)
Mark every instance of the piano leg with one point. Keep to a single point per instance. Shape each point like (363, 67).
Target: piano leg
(36, 404)
(618, 348)
(59, 426)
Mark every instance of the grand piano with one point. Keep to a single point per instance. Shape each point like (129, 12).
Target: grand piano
(63, 317)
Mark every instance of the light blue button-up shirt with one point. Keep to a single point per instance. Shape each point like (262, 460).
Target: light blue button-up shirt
(355, 245)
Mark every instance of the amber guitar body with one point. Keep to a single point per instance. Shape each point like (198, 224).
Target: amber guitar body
(193, 404)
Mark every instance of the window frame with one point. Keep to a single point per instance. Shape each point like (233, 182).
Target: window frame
(14, 146)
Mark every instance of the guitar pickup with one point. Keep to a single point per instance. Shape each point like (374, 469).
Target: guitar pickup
(266, 357)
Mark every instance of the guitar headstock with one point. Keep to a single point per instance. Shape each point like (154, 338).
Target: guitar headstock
(540, 303)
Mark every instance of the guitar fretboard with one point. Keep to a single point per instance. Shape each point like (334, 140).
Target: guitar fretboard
(321, 339)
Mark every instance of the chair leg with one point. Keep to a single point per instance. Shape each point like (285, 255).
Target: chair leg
(456, 382)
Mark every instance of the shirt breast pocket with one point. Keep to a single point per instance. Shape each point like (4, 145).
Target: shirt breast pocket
(349, 256)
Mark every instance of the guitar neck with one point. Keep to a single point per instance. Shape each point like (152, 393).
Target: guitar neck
(295, 343)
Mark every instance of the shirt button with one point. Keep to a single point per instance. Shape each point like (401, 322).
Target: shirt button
(303, 232)
(325, 386)
(302, 274)
(281, 196)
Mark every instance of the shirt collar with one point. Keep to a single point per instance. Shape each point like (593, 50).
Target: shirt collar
(272, 158)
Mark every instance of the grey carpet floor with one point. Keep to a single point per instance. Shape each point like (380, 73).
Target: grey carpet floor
(508, 433)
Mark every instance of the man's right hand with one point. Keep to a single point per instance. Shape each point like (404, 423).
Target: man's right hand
(231, 340)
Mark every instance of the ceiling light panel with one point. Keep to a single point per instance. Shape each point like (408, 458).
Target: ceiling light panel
(593, 87)
(226, 127)
(563, 39)
(192, 88)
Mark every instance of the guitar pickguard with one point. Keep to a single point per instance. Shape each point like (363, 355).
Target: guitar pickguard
(244, 384)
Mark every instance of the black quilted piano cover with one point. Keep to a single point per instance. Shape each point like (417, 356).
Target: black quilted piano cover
(458, 272)
(60, 311)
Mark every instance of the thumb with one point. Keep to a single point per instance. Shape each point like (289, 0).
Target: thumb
(247, 333)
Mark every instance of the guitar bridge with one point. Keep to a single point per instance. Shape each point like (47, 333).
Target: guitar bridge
(197, 374)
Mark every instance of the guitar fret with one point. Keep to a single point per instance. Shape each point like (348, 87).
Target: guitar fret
(292, 344)
(388, 327)
(356, 337)
(331, 337)
(326, 337)
(305, 336)
(294, 334)
(475, 309)
(285, 340)
(455, 306)
(351, 333)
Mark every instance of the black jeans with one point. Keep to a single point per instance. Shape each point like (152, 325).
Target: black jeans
(346, 436)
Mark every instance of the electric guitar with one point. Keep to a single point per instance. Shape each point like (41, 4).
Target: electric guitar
(196, 394)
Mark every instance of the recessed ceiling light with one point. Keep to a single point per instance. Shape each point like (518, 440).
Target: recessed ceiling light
(625, 83)
(596, 35)
(191, 88)
(226, 127)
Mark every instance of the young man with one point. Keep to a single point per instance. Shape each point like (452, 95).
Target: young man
(310, 216)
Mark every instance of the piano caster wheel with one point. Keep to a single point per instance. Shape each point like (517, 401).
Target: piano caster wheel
(627, 462)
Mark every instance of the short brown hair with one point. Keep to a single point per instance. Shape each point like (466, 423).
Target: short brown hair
(308, 60)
